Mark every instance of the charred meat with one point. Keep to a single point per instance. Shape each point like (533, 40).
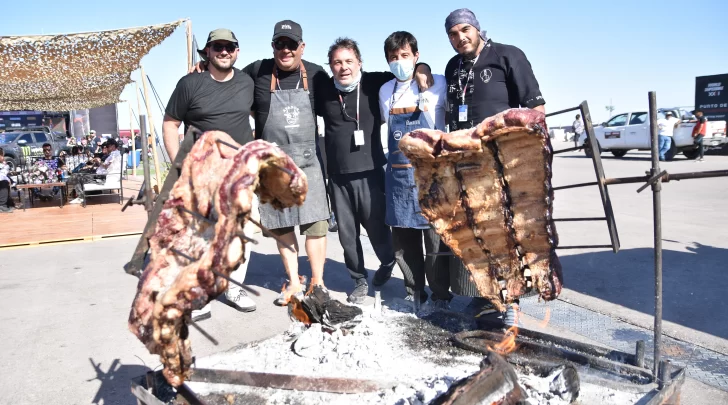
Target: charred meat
(200, 230)
(487, 192)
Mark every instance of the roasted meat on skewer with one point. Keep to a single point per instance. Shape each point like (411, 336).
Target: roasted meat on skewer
(200, 230)
(487, 192)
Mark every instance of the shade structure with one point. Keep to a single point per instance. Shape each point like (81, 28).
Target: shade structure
(73, 71)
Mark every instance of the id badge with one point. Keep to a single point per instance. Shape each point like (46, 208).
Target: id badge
(462, 113)
(359, 137)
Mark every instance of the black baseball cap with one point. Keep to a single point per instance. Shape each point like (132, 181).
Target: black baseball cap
(288, 28)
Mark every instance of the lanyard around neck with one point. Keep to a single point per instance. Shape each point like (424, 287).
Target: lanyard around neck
(486, 49)
(343, 105)
(462, 89)
(278, 82)
(393, 101)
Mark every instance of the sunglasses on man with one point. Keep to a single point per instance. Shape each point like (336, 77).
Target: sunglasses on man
(229, 47)
(280, 44)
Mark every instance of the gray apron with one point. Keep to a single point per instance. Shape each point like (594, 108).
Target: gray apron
(291, 126)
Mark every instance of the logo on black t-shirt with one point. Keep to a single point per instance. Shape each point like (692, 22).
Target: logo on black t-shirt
(485, 75)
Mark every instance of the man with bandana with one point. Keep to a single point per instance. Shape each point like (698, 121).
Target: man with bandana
(484, 79)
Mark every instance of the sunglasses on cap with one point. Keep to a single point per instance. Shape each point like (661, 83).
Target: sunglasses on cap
(280, 44)
(218, 47)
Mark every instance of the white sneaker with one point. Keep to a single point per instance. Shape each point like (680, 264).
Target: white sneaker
(201, 314)
(78, 200)
(239, 300)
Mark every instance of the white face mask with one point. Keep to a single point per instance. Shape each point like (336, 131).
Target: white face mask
(402, 69)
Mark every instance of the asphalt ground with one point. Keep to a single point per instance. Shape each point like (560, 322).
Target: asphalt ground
(65, 307)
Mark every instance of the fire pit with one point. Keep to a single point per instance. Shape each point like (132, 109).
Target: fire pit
(391, 356)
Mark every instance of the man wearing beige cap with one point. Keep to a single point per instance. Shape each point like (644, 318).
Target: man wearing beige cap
(219, 99)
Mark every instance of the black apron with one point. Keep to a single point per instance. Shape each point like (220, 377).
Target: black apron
(290, 125)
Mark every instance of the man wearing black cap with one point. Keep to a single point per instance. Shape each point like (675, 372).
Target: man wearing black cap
(219, 99)
(285, 87)
(484, 79)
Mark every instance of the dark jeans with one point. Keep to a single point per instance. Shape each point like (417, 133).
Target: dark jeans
(5, 200)
(37, 191)
(415, 265)
(358, 200)
(699, 142)
(78, 179)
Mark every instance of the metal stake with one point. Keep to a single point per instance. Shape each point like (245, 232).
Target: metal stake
(271, 234)
(640, 354)
(213, 271)
(203, 332)
(189, 396)
(283, 169)
(149, 199)
(657, 223)
(196, 214)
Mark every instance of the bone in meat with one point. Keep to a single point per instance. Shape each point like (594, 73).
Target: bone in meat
(217, 182)
(487, 192)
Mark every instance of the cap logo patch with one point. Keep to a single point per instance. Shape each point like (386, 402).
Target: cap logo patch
(285, 27)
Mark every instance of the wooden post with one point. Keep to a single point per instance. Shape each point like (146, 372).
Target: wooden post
(157, 172)
(189, 45)
(133, 144)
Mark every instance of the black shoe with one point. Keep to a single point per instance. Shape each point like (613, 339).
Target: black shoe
(383, 274)
(478, 306)
(360, 292)
(411, 297)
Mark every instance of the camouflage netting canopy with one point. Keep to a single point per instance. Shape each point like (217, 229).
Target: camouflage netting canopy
(73, 71)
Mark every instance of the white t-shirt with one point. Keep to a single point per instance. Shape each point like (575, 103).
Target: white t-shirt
(407, 95)
(112, 163)
(665, 126)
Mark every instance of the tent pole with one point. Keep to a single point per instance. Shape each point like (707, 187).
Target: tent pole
(157, 172)
(189, 44)
(133, 144)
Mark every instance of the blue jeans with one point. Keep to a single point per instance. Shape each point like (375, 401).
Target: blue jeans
(664, 142)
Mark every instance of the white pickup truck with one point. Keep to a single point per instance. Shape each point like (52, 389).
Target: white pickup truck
(631, 131)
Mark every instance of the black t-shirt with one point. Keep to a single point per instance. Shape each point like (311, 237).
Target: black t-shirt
(342, 154)
(261, 72)
(203, 102)
(500, 79)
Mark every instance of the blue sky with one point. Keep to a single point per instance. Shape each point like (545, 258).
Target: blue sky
(598, 51)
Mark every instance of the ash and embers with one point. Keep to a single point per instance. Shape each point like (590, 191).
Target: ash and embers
(413, 354)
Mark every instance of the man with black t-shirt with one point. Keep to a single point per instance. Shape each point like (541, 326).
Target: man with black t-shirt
(349, 105)
(220, 99)
(484, 79)
(285, 87)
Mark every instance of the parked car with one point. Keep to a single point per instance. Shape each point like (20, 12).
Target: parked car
(631, 131)
(21, 144)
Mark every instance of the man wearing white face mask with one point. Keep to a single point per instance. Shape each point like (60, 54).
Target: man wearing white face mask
(349, 106)
(405, 108)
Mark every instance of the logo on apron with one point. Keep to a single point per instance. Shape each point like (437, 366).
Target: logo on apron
(397, 135)
(291, 114)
